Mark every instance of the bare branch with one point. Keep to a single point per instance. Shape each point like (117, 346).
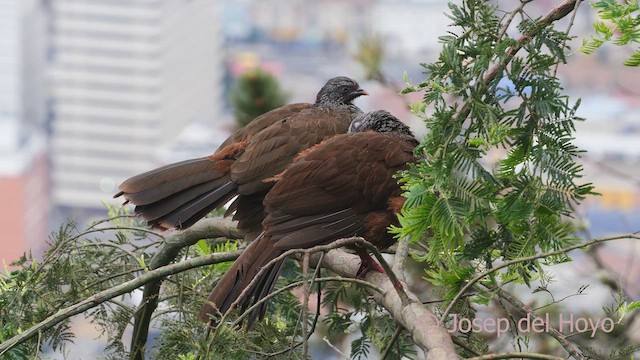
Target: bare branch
(561, 338)
(400, 258)
(394, 338)
(526, 259)
(421, 323)
(516, 355)
(300, 283)
(326, 340)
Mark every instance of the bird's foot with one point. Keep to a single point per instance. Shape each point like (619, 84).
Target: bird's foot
(367, 264)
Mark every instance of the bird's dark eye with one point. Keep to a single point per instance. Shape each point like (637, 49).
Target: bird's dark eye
(344, 90)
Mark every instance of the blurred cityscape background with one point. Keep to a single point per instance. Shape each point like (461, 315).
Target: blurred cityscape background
(95, 91)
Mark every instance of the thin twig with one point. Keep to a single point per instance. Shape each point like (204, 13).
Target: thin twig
(512, 16)
(299, 283)
(111, 293)
(306, 286)
(516, 355)
(129, 216)
(561, 338)
(573, 17)
(465, 345)
(326, 340)
(394, 338)
(480, 276)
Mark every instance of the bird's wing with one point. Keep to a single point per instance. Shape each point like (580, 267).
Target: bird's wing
(330, 190)
(262, 122)
(272, 149)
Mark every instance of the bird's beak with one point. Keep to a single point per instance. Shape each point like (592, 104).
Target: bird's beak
(358, 93)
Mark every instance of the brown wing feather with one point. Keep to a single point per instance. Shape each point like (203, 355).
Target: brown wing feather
(331, 191)
(181, 193)
(262, 122)
(349, 170)
(270, 151)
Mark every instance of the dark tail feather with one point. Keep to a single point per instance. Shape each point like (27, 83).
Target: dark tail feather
(264, 287)
(159, 183)
(179, 194)
(190, 211)
(249, 212)
(238, 277)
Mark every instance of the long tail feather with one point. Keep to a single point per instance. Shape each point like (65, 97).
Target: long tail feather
(240, 275)
(193, 210)
(179, 194)
(159, 183)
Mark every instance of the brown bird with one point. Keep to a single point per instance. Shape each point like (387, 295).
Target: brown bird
(343, 187)
(179, 194)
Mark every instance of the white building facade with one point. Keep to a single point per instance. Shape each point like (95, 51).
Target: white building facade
(24, 190)
(126, 77)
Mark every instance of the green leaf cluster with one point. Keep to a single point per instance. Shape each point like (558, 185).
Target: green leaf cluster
(255, 93)
(83, 262)
(350, 312)
(620, 25)
(498, 174)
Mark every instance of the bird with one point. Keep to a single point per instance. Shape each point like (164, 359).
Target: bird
(342, 187)
(179, 194)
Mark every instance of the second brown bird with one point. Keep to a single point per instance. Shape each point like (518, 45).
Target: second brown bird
(342, 187)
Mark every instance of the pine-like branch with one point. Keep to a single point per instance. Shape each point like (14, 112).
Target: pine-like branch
(208, 228)
(113, 292)
(557, 13)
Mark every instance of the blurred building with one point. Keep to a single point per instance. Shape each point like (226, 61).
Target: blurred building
(24, 190)
(126, 78)
(320, 22)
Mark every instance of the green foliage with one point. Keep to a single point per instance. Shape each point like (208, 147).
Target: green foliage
(77, 265)
(627, 308)
(621, 27)
(81, 263)
(255, 93)
(498, 174)
(350, 312)
(369, 54)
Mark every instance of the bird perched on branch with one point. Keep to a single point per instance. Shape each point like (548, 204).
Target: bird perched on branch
(343, 187)
(179, 194)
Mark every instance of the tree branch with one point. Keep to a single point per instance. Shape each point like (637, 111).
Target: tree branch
(478, 277)
(421, 323)
(560, 11)
(208, 228)
(400, 258)
(561, 338)
(109, 294)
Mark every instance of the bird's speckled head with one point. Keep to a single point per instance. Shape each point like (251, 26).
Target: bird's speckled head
(339, 91)
(379, 121)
